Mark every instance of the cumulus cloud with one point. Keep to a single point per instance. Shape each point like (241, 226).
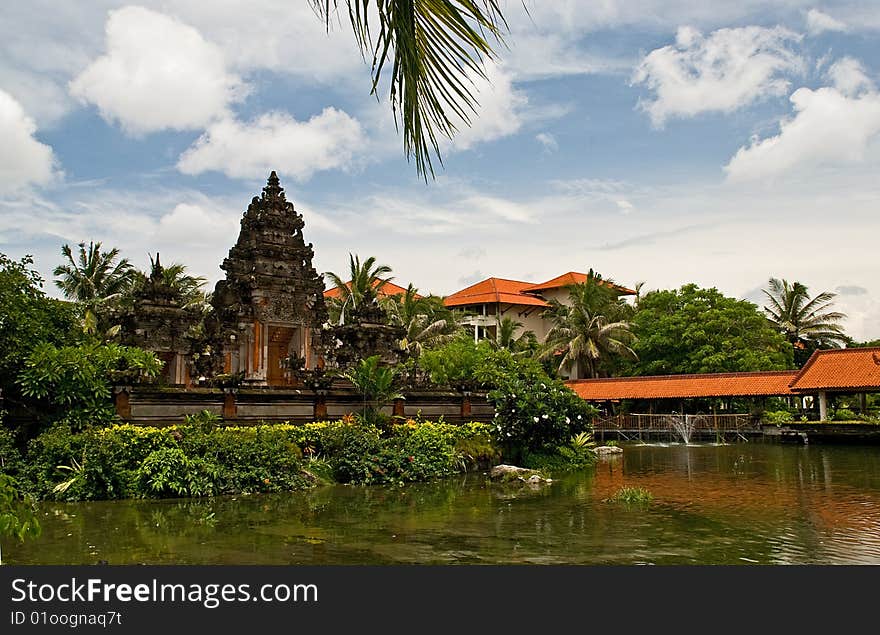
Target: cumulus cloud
(819, 22)
(23, 160)
(157, 73)
(831, 125)
(500, 112)
(275, 141)
(721, 72)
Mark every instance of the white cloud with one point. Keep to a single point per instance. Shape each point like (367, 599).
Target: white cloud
(23, 160)
(721, 72)
(276, 141)
(201, 225)
(548, 141)
(849, 76)
(500, 112)
(819, 22)
(831, 125)
(157, 73)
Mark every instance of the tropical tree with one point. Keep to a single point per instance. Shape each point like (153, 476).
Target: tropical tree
(187, 290)
(506, 338)
(376, 383)
(93, 279)
(365, 283)
(27, 318)
(804, 321)
(425, 320)
(695, 330)
(435, 48)
(589, 330)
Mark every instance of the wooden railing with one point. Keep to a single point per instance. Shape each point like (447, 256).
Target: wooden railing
(660, 422)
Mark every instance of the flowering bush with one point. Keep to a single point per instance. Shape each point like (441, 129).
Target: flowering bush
(535, 416)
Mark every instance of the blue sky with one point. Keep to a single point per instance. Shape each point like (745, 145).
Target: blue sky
(662, 141)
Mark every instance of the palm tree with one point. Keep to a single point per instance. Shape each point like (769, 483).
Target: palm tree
(505, 337)
(93, 279)
(435, 48)
(586, 331)
(363, 289)
(187, 290)
(95, 275)
(426, 321)
(376, 383)
(803, 320)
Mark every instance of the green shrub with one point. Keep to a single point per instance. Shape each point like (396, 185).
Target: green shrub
(534, 413)
(74, 384)
(778, 417)
(11, 462)
(844, 414)
(170, 472)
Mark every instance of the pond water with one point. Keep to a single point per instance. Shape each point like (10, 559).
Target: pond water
(734, 504)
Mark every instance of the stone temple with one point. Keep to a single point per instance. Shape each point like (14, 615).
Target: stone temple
(269, 311)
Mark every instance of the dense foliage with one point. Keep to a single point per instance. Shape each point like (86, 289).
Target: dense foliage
(74, 383)
(591, 330)
(200, 458)
(534, 412)
(27, 317)
(694, 330)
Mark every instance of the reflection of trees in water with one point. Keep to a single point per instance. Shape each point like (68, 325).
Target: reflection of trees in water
(711, 504)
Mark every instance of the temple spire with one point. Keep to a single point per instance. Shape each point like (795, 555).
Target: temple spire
(273, 189)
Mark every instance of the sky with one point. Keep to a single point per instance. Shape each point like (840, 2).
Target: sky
(655, 141)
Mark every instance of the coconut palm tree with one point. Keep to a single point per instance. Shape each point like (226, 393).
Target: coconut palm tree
(93, 279)
(505, 337)
(586, 331)
(365, 283)
(425, 320)
(94, 275)
(435, 48)
(804, 320)
(187, 290)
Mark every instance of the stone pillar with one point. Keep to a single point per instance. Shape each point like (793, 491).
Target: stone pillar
(122, 400)
(398, 410)
(230, 408)
(823, 407)
(465, 404)
(320, 408)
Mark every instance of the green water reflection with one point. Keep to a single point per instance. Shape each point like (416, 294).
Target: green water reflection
(737, 504)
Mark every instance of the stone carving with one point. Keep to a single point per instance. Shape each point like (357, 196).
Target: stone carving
(157, 322)
(271, 304)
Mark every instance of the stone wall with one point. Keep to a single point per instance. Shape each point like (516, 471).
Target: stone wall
(165, 406)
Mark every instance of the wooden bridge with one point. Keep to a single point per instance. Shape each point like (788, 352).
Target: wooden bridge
(643, 427)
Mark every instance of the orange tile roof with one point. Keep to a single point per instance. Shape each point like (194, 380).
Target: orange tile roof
(763, 384)
(389, 288)
(570, 278)
(840, 369)
(494, 291)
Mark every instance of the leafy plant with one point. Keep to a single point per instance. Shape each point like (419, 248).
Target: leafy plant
(171, 471)
(778, 417)
(375, 382)
(845, 414)
(75, 382)
(17, 517)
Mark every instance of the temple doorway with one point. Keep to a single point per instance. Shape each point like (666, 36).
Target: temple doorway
(282, 343)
